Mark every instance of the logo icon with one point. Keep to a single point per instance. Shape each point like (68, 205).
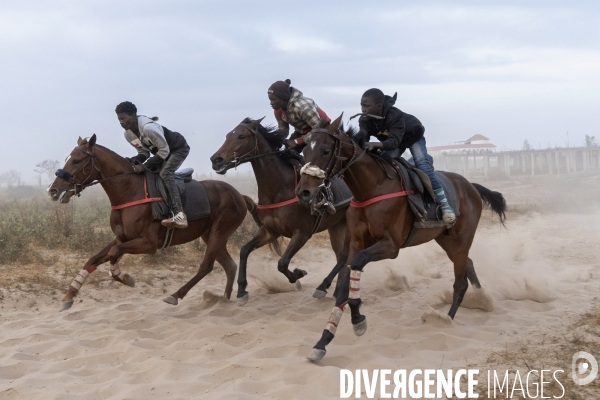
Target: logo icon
(582, 367)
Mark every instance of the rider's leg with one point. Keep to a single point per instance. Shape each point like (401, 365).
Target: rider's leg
(172, 163)
(419, 153)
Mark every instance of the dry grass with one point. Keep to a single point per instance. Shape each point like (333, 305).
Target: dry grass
(553, 352)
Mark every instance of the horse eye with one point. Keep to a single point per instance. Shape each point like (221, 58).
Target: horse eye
(76, 161)
(242, 137)
(326, 152)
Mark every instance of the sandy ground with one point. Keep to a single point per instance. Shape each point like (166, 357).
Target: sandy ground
(123, 343)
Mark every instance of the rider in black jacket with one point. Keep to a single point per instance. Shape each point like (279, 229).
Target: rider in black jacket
(398, 131)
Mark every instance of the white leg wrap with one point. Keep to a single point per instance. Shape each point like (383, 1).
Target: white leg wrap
(334, 319)
(114, 271)
(354, 284)
(79, 279)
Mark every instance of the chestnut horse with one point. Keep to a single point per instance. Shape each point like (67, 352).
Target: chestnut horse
(135, 232)
(379, 228)
(278, 209)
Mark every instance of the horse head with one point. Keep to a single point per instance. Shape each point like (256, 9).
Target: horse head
(329, 152)
(240, 143)
(80, 168)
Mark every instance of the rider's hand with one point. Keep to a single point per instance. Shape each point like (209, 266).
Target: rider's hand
(139, 169)
(370, 146)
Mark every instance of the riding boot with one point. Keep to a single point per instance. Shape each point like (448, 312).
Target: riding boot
(448, 215)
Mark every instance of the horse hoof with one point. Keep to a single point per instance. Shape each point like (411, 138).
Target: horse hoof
(66, 305)
(128, 280)
(360, 328)
(319, 294)
(243, 300)
(300, 273)
(316, 354)
(171, 300)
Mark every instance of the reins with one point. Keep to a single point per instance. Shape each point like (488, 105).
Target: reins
(245, 158)
(335, 158)
(79, 187)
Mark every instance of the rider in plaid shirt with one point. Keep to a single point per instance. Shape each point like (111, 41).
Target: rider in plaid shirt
(292, 108)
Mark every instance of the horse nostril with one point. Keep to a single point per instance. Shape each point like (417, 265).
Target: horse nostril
(305, 194)
(53, 192)
(217, 160)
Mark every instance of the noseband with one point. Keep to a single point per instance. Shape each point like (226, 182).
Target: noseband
(78, 187)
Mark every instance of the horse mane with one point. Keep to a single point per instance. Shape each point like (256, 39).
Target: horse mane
(112, 153)
(270, 133)
(84, 142)
(352, 133)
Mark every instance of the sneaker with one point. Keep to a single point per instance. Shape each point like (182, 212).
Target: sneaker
(329, 208)
(178, 221)
(448, 215)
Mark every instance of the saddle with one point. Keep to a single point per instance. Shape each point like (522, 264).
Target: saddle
(194, 198)
(424, 203)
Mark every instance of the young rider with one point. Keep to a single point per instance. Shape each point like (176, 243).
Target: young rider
(292, 108)
(169, 150)
(398, 131)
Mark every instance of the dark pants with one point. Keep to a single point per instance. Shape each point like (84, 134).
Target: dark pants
(172, 164)
(421, 159)
(423, 162)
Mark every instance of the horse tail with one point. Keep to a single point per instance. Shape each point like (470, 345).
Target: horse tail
(252, 209)
(493, 199)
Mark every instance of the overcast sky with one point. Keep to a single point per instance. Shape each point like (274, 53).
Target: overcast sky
(510, 70)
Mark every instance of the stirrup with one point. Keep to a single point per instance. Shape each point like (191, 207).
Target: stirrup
(330, 208)
(179, 220)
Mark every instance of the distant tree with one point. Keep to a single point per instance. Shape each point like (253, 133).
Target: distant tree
(47, 168)
(590, 141)
(10, 178)
(526, 145)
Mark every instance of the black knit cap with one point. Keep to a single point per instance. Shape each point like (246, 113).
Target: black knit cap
(281, 89)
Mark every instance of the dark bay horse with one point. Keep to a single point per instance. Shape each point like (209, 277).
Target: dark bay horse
(135, 232)
(379, 229)
(278, 209)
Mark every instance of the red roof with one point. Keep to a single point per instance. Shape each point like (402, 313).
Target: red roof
(476, 137)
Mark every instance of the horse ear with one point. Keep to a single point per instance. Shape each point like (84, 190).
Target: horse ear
(92, 141)
(254, 124)
(335, 125)
(79, 141)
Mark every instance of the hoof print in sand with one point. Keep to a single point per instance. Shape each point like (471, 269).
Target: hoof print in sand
(474, 298)
(436, 318)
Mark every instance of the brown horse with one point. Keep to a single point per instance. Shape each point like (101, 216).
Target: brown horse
(379, 230)
(135, 232)
(278, 209)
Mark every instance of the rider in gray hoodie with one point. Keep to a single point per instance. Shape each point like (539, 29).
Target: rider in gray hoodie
(169, 150)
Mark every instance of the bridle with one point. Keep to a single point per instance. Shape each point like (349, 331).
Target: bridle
(78, 187)
(336, 158)
(328, 175)
(252, 154)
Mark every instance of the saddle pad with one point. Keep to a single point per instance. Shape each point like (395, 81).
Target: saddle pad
(194, 198)
(433, 212)
(196, 204)
(341, 193)
(425, 208)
